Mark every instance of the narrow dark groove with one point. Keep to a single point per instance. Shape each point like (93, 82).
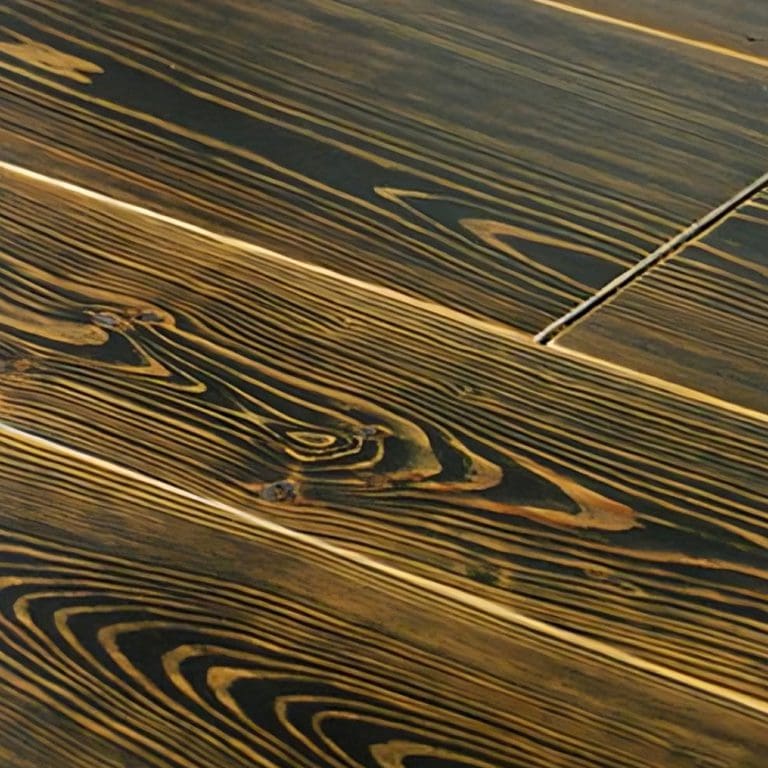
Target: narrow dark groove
(666, 250)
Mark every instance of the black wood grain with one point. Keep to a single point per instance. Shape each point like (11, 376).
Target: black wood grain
(503, 159)
(589, 500)
(133, 635)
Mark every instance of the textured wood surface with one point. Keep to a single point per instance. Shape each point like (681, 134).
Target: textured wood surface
(453, 451)
(738, 26)
(506, 159)
(238, 646)
(699, 319)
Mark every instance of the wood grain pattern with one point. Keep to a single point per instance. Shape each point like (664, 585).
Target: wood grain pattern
(740, 26)
(239, 647)
(503, 159)
(479, 460)
(699, 319)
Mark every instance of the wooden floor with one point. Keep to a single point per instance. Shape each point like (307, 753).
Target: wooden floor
(383, 384)
(700, 318)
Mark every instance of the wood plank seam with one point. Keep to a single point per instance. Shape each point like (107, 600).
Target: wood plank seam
(491, 608)
(446, 197)
(656, 382)
(486, 326)
(447, 593)
(623, 281)
(235, 648)
(653, 32)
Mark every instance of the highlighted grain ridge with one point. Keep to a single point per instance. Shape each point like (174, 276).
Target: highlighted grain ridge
(643, 29)
(268, 354)
(440, 591)
(42, 56)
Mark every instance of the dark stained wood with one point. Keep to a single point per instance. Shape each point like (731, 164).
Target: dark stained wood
(739, 26)
(505, 159)
(184, 639)
(699, 319)
(33, 733)
(474, 458)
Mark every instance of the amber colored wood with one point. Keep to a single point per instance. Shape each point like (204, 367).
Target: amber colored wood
(148, 628)
(505, 159)
(451, 450)
(699, 319)
(740, 26)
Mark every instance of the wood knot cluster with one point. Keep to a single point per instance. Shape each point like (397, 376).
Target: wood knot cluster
(126, 318)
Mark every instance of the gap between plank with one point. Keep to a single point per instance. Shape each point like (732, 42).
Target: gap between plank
(485, 326)
(453, 594)
(720, 50)
(610, 290)
(486, 606)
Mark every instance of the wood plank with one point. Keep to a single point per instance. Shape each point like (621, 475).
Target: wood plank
(474, 458)
(739, 26)
(239, 646)
(502, 159)
(33, 734)
(699, 319)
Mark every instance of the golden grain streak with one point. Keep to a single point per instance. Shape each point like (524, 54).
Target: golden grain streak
(538, 431)
(341, 145)
(431, 307)
(719, 50)
(450, 594)
(658, 383)
(383, 140)
(649, 492)
(488, 326)
(140, 715)
(280, 631)
(439, 310)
